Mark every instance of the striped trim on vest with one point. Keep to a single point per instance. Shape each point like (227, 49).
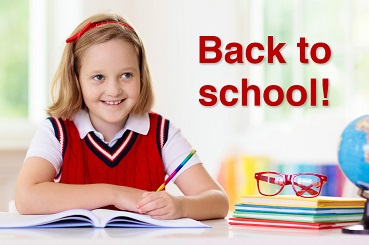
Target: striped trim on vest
(111, 156)
(61, 134)
(162, 133)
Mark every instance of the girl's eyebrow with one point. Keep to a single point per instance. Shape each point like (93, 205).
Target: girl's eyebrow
(125, 69)
(130, 68)
(94, 72)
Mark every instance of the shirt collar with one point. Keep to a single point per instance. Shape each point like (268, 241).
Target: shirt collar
(136, 123)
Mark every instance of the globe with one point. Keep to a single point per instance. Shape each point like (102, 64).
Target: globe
(353, 152)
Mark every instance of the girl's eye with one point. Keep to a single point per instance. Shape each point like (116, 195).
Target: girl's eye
(98, 77)
(127, 75)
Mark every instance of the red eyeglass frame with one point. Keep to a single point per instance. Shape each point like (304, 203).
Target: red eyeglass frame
(288, 180)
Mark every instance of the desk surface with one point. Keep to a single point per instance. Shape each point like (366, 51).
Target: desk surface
(220, 233)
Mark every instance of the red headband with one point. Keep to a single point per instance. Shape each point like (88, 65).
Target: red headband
(92, 25)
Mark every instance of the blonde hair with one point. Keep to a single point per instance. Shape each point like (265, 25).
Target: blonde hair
(66, 92)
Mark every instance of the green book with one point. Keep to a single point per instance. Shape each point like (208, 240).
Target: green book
(295, 201)
(298, 217)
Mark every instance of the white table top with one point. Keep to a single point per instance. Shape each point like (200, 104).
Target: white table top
(220, 233)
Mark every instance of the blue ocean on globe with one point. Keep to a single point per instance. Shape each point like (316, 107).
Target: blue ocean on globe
(353, 152)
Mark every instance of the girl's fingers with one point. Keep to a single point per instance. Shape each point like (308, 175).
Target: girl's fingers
(150, 203)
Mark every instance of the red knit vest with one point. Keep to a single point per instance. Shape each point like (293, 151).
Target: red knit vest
(134, 161)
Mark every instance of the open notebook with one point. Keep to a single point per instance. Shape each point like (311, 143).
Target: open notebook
(95, 218)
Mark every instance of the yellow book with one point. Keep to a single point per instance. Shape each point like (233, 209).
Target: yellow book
(295, 201)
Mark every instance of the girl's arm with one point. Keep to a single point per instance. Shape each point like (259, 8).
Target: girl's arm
(203, 198)
(37, 193)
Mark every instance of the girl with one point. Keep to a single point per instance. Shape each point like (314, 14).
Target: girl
(101, 145)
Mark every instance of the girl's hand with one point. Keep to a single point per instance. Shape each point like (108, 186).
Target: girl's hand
(126, 198)
(160, 205)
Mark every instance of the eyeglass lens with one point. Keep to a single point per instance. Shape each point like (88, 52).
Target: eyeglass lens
(306, 185)
(270, 184)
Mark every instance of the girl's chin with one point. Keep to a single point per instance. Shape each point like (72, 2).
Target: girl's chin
(113, 118)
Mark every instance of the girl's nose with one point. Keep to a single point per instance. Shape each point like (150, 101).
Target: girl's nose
(113, 88)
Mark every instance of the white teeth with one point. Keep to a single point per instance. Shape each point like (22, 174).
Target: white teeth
(113, 102)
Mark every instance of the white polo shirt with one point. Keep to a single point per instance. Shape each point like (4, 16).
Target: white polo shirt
(45, 145)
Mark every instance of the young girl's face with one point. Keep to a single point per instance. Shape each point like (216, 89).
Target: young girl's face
(110, 81)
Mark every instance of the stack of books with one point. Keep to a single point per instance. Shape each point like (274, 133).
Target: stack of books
(236, 175)
(287, 211)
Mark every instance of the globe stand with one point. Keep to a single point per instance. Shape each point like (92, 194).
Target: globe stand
(363, 226)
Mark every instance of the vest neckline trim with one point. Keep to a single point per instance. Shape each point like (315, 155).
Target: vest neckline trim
(111, 156)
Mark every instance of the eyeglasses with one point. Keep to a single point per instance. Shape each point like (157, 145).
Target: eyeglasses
(304, 184)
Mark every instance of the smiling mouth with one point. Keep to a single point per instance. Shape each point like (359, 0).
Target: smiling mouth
(117, 102)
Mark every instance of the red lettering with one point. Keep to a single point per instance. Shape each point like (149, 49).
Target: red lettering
(327, 53)
(213, 54)
(302, 45)
(207, 91)
(290, 92)
(266, 95)
(245, 90)
(275, 51)
(325, 85)
(212, 49)
(223, 92)
(229, 95)
(237, 52)
(313, 92)
(249, 57)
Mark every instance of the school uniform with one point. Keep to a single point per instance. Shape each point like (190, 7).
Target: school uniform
(139, 156)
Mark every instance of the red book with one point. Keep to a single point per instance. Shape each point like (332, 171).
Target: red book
(287, 224)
